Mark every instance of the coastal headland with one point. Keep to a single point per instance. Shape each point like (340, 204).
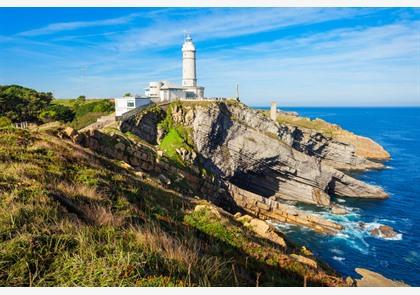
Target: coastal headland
(210, 172)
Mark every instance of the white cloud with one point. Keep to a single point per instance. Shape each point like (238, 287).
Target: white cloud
(69, 26)
(218, 23)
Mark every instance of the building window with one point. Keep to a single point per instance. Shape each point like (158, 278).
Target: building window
(130, 104)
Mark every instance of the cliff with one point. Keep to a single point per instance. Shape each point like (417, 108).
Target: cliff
(340, 148)
(242, 148)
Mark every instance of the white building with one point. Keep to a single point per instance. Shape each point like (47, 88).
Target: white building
(162, 91)
(165, 91)
(128, 103)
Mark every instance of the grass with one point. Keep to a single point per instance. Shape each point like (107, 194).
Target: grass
(274, 267)
(70, 217)
(176, 137)
(327, 129)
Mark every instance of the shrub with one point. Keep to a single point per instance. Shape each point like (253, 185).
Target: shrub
(4, 122)
(81, 98)
(57, 113)
(23, 104)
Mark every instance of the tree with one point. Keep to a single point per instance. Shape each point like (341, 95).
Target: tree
(127, 94)
(81, 98)
(22, 104)
(57, 112)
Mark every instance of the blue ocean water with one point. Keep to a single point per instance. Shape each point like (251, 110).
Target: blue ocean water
(398, 131)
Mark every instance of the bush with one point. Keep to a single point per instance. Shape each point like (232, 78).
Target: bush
(4, 122)
(81, 98)
(99, 106)
(57, 113)
(22, 104)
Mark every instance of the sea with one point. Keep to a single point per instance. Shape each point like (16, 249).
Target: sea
(397, 129)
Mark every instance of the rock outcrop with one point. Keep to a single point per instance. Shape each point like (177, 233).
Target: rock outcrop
(384, 231)
(265, 208)
(305, 260)
(373, 279)
(344, 150)
(246, 149)
(261, 228)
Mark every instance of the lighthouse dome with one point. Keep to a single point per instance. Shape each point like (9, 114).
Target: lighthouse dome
(188, 44)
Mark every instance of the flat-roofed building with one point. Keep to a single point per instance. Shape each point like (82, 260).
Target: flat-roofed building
(127, 103)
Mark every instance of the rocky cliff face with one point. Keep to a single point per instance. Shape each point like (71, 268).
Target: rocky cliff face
(256, 154)
(256, 164)
(345, 151)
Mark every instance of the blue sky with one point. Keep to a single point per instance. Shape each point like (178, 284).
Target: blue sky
(297, 57)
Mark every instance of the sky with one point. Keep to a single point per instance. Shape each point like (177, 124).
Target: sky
(294, 56)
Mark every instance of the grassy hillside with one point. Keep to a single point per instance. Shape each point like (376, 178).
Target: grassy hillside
(69, 217)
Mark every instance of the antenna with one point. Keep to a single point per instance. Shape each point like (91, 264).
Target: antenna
(237, 91)
(83, 70)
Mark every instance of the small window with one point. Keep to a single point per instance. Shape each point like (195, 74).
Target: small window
(130, 104)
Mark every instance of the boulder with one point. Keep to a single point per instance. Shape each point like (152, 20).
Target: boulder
(70, 132)
(302, 259)
(262, 228)
(350, 282)
(339, 210)
(210, 208)
(237, 215)
(384, 231)
(305, 251)
(373, 279)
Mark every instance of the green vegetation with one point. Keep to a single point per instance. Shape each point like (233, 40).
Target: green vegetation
(22, 104)
(57, 113)
(4, 122)
(328, 129)
(86, 111)
(70, 217)
(81, 98)
(275, 267)
(176, 136)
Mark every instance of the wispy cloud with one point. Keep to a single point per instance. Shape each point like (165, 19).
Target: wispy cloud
(216, 24)
(69, 26)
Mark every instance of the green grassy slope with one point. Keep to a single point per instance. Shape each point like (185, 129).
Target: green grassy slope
(69, 217)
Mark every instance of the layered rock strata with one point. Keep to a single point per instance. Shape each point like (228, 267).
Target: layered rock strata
(242, 147)
(265, 208)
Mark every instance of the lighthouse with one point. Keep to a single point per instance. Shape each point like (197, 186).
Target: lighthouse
(160, 91)
(189, 71)
(189, 75)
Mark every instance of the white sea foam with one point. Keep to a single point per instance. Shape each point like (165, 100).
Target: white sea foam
(338, 258)
(337, 251)
(341, 200)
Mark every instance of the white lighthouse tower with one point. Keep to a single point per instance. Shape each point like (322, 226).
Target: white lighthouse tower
(189, 71)
(189, 75)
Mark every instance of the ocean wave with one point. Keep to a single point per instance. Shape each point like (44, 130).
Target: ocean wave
(337, 251)
(338, 258)
(375, 225)
(341, 200)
